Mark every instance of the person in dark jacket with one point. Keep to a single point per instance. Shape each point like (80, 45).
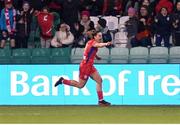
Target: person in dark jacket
(24, 19)
(37, 4)
(131, 25)
(163, 27)
(1, 4)
(93, 6)
(70, 11)
(112, 7)
(143, 36)
(176, 24)
(101, 26)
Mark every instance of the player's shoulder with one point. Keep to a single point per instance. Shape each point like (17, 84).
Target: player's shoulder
(91, 42)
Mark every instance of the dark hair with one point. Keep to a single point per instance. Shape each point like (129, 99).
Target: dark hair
(46, 8)
(95, 33)
(163, 8)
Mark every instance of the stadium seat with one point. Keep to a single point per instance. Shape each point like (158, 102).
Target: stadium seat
(41, 55)
(60, 55)
(103, 53)
(76, 55)
(139, 55)
(21, 56)
(120, 39)
(158, 55)
(122, 22)
(112, 22)
(174, 54)
(94, 19)
(119, 55)
(5, 56)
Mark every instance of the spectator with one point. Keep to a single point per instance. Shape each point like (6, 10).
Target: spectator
(176, 24)
(17, 4)
(8, 24)
(131, 3)
(112, 7)
(79, 37)
(143, 37)
(37, 5)
(164, 4)
(163, 27)
(63, 37)
(93, 6)
(132, 25)
(23, 26)
(88, 25)
(149, 5)
(1, 4)
(45, 21)
(86, 22)
(55, 6)
(70, 12)
(101, 26)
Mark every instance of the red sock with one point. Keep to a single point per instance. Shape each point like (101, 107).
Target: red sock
(100, 95)
(66, 82)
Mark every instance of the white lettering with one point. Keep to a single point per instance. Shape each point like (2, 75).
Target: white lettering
(122, 81)
(21, 83)
(151, 81)
(112, 83)
(165, 84)
(141, 83)
(44, 85)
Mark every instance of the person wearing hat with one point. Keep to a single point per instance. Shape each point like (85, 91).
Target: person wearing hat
(85, 21)
(101, 26)
(8, 24)
(88, 27)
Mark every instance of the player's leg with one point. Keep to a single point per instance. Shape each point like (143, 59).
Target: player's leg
(74, 83)
(95, 76)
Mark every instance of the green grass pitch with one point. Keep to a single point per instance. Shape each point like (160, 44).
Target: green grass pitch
(90, 114)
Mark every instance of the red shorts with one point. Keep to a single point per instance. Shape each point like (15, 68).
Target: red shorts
(86, 70)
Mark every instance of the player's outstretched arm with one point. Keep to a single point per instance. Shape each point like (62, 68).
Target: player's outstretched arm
(100, 45)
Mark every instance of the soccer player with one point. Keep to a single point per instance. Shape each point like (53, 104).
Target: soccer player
(87, 69)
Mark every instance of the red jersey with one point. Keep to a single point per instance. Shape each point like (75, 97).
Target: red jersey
(89, 52)
(45, 21)
(86, 66)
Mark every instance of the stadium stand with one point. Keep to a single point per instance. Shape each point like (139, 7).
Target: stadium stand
(5, 56)
(119, 55)
(139, 55)
(60, 55)
(158, 55)
(94, 19)
(174, 54)
(120, 39)
(104, 54)
(76, 55)
(112, 22)
(21, 56)
(41, 55)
